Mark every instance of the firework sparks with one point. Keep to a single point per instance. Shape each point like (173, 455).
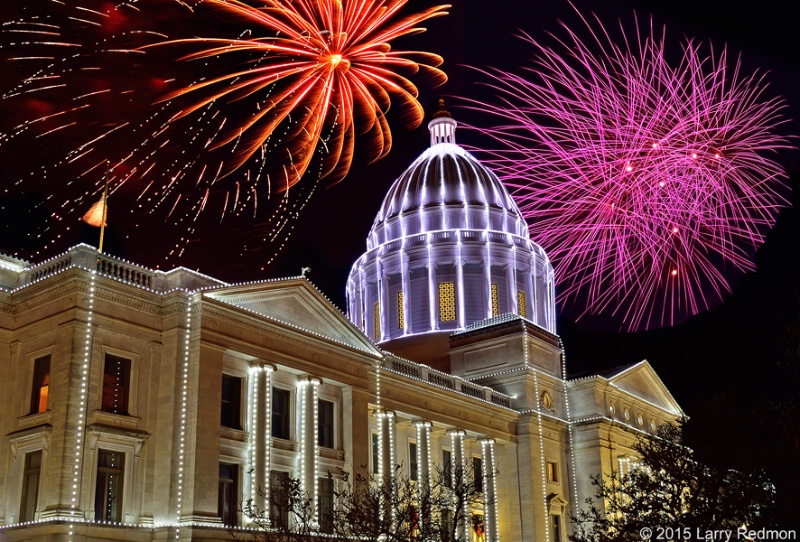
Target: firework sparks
(279, 94)
(325, 63)
(648, 182)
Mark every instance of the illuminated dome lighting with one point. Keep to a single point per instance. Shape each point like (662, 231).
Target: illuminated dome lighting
(448, 248)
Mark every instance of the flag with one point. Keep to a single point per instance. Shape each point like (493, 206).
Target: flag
(96, 215)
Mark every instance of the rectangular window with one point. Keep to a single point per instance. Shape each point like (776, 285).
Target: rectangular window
(401, 312)
(447, 301)
(376, 321)
(447, 525)
(495, 301)
(116, 384)
(230, 408)
(40, 391)
(325, 423)
(447, 468)
(30, 485)
(279, 490)
(556, 528)
(109, 486)
(552, 471)
(228, 502)
(280, 413)
(375, 450)
(477, 473)
(412, 461)
(523, 311)
(325, 504)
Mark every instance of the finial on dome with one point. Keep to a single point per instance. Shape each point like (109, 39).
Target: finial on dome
(442, 112)
(442, 126)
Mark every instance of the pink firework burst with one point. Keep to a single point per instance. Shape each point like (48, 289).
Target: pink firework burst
(649, 183)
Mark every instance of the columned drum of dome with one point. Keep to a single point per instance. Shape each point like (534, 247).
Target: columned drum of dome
(448, 248)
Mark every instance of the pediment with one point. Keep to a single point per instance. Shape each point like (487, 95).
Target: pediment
(299, 304)
(640, 380)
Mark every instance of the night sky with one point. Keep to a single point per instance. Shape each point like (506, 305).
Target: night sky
(733, 369)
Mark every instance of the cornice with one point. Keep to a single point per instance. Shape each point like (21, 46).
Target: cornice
(21, 302)
(277, 330)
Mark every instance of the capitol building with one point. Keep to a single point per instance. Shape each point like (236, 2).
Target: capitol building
(149, 405)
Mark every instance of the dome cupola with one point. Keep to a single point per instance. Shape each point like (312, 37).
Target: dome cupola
(448, 248)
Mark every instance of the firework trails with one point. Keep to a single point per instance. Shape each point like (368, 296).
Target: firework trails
(278, 91)
(646, 181)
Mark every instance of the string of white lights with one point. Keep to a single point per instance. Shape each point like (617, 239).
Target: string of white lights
(184, 404)
(80, 422)
(570, 429)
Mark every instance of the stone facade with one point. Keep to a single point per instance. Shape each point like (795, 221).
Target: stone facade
(137, 402)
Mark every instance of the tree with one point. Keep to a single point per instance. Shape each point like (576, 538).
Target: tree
(392, 509)
(288, 515)
(669, 490)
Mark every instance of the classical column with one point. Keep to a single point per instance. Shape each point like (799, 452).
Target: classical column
(309, 456)
(383, 303)
(489, 490)
(260, 434)
(460, 305)
(511, 288)
(433, 290)
(407, 316)
(385, 445)
(531, 295)
(424, 472)
(458, 481)
(385, 468)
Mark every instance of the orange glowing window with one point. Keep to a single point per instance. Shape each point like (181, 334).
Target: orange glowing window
(40, 391)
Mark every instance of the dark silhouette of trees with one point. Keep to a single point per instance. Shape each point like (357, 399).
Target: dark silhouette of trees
(395, 508)
(673, 495)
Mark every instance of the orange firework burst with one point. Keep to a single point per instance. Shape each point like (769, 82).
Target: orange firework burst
(322, 73)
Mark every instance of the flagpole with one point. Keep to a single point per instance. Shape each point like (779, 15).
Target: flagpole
(105, 210)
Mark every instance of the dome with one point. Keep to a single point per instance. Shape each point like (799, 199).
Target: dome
(445, 189)
(448, 248)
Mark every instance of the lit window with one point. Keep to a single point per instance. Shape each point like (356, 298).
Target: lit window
(447, 301)
(401, 313)
(552, 471)
(325, 423)
(325, 504)
(412, 461)
(376, 321)
(413, 523)
(523, 311)
(477, 473)
(478, 529)
(30, 485)
(116, 384)
(109, 486)
(228, 503)
(230, 409)
(40, 391)
(547, 400)
(280, 413)
(495, 301)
